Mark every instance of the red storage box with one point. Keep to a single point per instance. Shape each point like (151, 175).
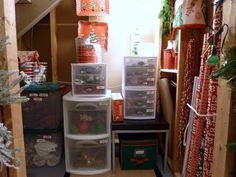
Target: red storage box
(168, 59)
(117, 107)
(87, 52)
(92, 7)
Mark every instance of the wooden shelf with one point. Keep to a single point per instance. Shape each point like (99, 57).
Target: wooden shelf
(169, 70)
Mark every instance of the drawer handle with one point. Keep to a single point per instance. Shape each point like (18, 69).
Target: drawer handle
(80, 106)
(139, 161)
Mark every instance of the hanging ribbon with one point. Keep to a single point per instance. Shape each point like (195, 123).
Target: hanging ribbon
(187, 92)
(212, 103)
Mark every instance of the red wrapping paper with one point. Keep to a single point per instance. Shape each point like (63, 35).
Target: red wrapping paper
(187, 92)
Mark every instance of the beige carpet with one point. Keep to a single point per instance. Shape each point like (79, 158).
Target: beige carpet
(123, 173)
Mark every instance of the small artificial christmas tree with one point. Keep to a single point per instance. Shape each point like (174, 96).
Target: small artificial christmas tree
(93, 38)
(92, 5)
(7, 154)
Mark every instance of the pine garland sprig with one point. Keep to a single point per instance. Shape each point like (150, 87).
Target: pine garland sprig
(7, 155)
(165, 15)
(228, 69)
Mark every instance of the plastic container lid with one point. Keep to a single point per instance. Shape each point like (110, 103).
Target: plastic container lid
(47, 86)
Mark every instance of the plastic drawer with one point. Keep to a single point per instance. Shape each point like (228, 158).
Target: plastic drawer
(139, 71)
(43, 148)
(88, 156)
(89, 79)
(87, 115)
(139, 103)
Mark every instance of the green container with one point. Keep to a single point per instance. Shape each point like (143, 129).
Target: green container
(138, 151)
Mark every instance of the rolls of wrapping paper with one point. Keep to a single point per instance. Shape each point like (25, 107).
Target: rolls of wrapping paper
(212, 103)
(167, 108)
(202, 141)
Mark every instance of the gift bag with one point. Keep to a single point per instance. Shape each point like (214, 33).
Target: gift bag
(189, 14)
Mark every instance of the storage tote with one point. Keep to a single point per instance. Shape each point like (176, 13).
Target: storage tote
(44, 108)
(43, 148)
(138, 151)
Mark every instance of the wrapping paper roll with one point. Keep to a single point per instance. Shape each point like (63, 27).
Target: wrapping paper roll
(167, 108)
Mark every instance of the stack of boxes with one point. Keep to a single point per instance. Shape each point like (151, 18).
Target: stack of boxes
(87, 109)
(42, 118)
(139, 91)
(139, 87)
(87, 115)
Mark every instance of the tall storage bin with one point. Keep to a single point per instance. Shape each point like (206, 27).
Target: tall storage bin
(89, 79)
(87, 133)
(44, 109)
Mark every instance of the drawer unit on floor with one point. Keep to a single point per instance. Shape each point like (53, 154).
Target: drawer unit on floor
(139, 72)
(89, 79)
(139, 103)
(87, 133)
(88, 157)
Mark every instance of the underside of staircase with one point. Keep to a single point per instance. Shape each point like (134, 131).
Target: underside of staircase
(30, 12)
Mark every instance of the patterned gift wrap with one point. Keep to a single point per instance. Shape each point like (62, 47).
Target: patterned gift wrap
(97, 32)
(87, 52)
(187, 92)
(92, 7)
(202, 142)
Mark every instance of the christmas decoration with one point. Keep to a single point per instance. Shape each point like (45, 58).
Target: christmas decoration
(7, 154)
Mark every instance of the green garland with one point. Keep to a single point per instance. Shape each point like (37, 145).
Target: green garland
(165, 15)
(228, 69)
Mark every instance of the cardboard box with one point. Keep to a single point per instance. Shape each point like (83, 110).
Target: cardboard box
(117, 107)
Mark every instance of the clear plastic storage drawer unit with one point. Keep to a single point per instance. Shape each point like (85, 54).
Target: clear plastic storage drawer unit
(140, 103)
(87, 115)
(139, 71)
(88, 157)
(89, 79)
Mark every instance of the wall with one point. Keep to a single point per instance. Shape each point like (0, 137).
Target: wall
(125, 16)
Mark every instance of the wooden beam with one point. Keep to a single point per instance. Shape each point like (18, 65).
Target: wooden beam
(184, 37)
(221, 161)
(53, 30)
(224, 159)
(12, 115)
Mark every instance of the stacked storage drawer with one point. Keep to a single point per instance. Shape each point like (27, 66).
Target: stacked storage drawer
(87, 133)
(139, 87)
(42, 118)
(88, 79)
(140, 103)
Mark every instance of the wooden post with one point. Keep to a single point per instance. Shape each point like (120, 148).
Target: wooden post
(224, 159)
(12, 115)
(184, 37)
(53, 31)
